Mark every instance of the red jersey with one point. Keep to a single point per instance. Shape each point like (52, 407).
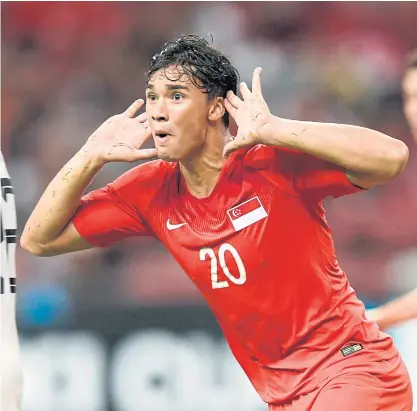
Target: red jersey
(260, 251)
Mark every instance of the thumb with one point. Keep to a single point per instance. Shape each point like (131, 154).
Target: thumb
(230, 147)
(145, 154)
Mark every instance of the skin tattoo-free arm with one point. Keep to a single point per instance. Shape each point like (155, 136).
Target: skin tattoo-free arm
(395, 312)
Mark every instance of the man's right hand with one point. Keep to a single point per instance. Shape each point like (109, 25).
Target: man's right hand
(121, 137)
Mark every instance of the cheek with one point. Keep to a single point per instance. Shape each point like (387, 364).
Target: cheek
(192, 119)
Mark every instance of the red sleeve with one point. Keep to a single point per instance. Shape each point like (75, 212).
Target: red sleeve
(320, 179)
(105, 216)
(301, 172)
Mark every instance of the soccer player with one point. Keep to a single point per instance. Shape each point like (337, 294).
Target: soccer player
(244, 218)
(403, 308)
(10, 369)
(395, 312)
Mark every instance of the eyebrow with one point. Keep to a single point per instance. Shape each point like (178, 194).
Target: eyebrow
(169, 87)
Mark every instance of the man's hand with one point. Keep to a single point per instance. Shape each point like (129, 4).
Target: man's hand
(374, 315)
(396, 311)
(251, 114)
(120, 138)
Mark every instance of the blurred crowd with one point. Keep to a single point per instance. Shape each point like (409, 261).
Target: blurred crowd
(66, 67)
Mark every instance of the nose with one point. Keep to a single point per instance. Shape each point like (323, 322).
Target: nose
(160, 111)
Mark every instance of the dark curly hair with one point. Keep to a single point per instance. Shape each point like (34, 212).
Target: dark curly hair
(205, 66)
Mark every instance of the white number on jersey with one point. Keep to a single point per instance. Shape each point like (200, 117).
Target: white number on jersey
(239, 280)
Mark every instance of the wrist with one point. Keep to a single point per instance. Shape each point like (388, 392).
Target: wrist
(91, 158)
(273, 131)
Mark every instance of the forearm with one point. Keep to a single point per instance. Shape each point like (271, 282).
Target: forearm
(367, 153)
(397, 311)
(60, 200)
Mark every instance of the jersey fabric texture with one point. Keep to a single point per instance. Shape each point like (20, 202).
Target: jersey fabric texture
(365, 386)
(260, 251)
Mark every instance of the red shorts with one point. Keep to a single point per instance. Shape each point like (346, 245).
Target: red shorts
(365, 387)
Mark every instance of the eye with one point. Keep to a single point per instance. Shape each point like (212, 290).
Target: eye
(177, 96)
(151, 97)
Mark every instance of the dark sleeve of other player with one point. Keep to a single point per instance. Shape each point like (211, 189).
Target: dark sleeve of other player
(111, 214)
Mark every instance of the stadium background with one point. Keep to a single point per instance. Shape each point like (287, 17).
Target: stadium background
(123, 329)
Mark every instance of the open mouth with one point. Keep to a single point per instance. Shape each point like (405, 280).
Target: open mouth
(161, 134)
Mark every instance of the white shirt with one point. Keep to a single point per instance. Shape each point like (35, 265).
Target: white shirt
(11, 374)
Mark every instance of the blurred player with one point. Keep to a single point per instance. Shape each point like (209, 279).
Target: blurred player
(11, 379)
(403, 308)
(244, 218)
(395, 312)
(409, 87)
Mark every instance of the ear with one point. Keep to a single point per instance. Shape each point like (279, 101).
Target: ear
(217, 109)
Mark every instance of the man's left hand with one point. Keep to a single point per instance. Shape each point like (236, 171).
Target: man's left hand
(250, 112)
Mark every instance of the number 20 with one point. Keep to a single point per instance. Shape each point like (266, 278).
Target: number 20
(215, 283)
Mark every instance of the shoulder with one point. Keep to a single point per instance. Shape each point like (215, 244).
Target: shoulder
(261, 157)
(149, 176)
(277, 165)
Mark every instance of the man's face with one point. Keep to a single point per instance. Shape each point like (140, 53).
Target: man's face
(177, 114)
(410, 100)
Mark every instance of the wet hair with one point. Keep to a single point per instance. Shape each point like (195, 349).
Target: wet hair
(206, 67)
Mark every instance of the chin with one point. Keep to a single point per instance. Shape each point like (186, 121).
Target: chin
(166, 156)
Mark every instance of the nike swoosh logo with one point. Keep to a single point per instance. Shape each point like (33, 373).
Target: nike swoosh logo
(174, 226)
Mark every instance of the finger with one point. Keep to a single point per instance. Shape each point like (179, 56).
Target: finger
(233, 99)
(230, 109)
(142, 117)
(133, 108)
(244, 90)
(147, 135)
(143, 135)
(256, 82)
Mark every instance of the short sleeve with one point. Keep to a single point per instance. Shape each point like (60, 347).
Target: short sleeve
(105, 216)
(302, 173)
(318, 178)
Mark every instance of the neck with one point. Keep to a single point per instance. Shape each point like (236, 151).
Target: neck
(202, 171)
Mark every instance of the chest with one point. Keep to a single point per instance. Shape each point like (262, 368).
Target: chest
(234, 238)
